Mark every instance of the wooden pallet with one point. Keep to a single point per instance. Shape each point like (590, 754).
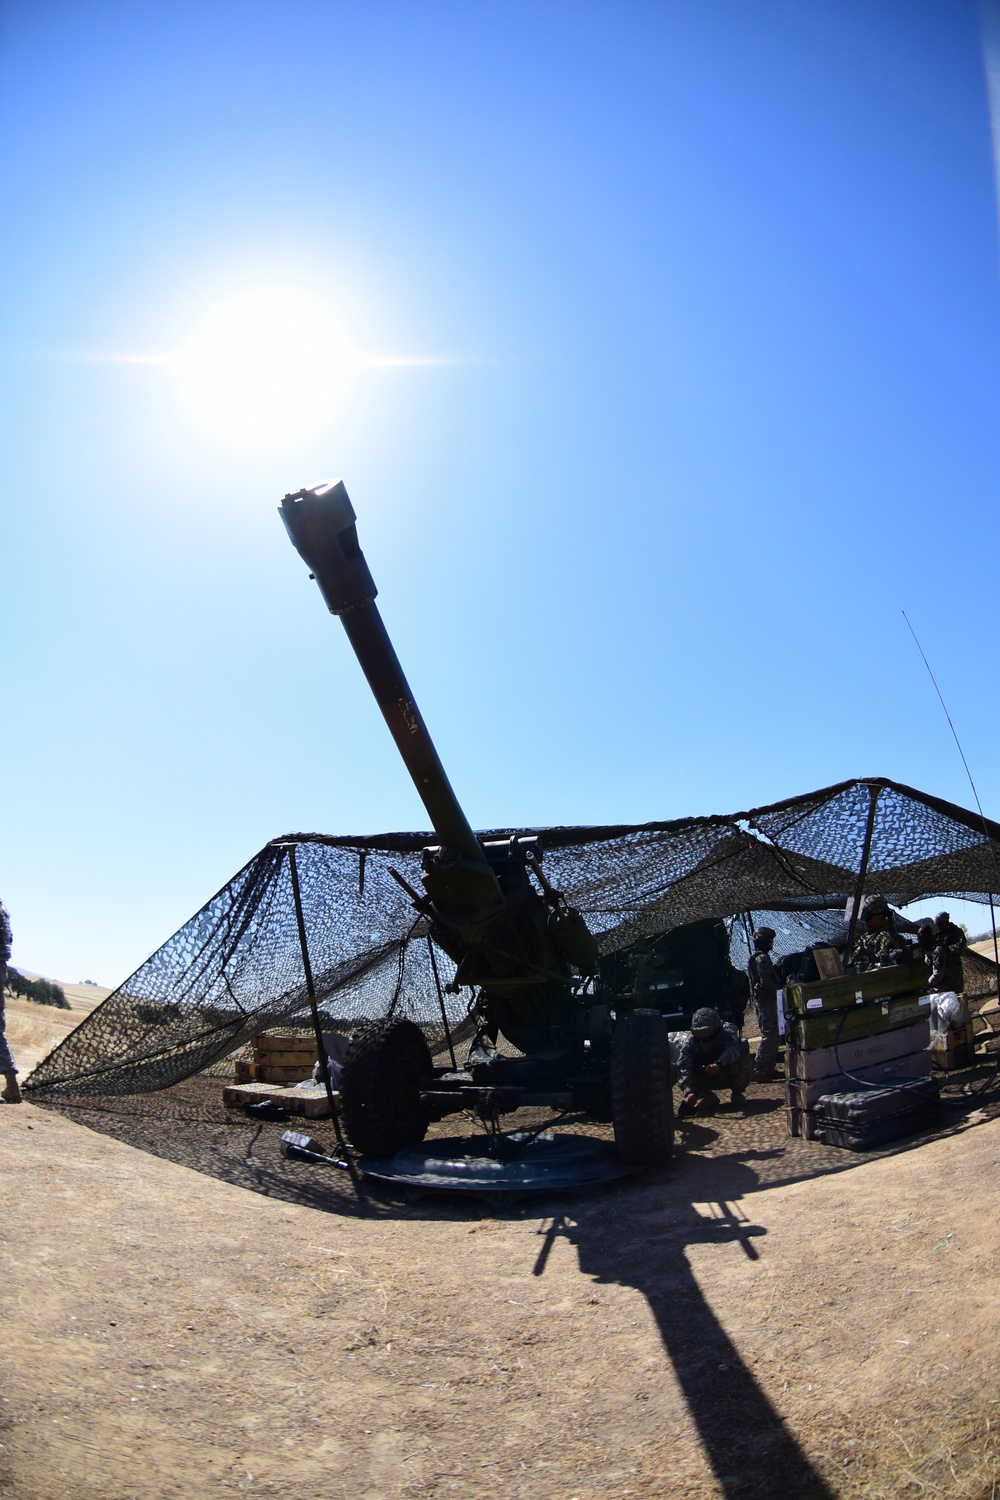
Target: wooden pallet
(311, 1104)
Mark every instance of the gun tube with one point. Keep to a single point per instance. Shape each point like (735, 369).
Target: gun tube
(321, 526)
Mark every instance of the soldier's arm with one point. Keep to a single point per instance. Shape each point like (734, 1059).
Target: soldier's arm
(938, 965)
(686, 1064)
(731, 1050)
(894, 944)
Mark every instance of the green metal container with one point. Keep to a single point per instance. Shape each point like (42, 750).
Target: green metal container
(857, 989)
(823, 1029)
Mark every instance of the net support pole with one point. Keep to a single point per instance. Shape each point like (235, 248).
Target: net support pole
(324, 1064)
(866, 849)
(444, 1011)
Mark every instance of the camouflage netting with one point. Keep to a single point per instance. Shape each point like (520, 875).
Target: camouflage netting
(235, 969)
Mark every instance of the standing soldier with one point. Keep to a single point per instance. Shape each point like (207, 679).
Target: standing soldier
(764, 986)
(926, 943)
(880, 945)
(949, 941)
(11, 1093)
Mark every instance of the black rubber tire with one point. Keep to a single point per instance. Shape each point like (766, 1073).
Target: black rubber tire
(642, 1102)
(380, 1087)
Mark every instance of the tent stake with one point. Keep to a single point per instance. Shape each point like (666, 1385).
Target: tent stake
(324, 1065)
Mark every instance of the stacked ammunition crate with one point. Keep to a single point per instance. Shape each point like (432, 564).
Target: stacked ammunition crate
(874, 1026)
(954, 1049)
(278, 1059)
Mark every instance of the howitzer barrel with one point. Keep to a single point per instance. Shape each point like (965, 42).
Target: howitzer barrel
(321, 525)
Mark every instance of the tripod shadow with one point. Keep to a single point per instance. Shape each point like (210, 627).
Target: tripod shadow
(750, 1449)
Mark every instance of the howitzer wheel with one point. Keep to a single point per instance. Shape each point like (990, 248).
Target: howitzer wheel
(642, 1104)
(380, 1087)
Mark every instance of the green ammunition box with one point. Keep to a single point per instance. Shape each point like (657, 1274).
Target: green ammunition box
(857, 989)
(823, 1029)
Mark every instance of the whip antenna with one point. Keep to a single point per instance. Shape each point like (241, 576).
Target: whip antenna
(982, 817)
(954, 732)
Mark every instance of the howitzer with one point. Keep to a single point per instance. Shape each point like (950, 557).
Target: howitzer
(511, 935)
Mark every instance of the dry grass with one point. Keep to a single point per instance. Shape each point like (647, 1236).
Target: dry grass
(31, 1030)
(955, 1463)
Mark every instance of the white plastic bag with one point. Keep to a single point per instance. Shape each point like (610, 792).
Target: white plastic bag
(676, 1040)
(948, 1012)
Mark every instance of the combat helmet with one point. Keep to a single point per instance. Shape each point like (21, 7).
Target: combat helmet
(764, 935)
(705, 1022)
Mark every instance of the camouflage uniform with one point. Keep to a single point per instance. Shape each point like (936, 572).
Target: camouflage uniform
(6, 937)
(946, 969)
(764, 986)
(727, 1048)
(875, 950)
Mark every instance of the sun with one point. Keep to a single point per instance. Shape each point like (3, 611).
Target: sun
(263, 368)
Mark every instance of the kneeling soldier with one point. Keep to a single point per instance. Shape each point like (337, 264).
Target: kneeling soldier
(712, 1055)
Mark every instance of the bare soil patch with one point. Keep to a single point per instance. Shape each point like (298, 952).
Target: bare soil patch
(766, 1317)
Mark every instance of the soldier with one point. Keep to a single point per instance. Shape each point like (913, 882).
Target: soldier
(880, 944)
(764, 986)
(949, 940)
(926, 943)
(11, 1092)
(712, 1055)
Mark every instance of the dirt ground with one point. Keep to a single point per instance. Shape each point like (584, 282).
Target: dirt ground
(766, 1317)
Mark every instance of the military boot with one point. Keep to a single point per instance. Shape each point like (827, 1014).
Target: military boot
(12, 1092)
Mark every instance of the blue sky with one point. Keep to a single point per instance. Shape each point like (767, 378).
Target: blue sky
(657, 344)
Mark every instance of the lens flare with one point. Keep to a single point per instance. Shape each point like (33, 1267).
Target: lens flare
(263, 368)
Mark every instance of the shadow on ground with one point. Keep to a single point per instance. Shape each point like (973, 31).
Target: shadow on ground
(751, 1450)
(635, 1233)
